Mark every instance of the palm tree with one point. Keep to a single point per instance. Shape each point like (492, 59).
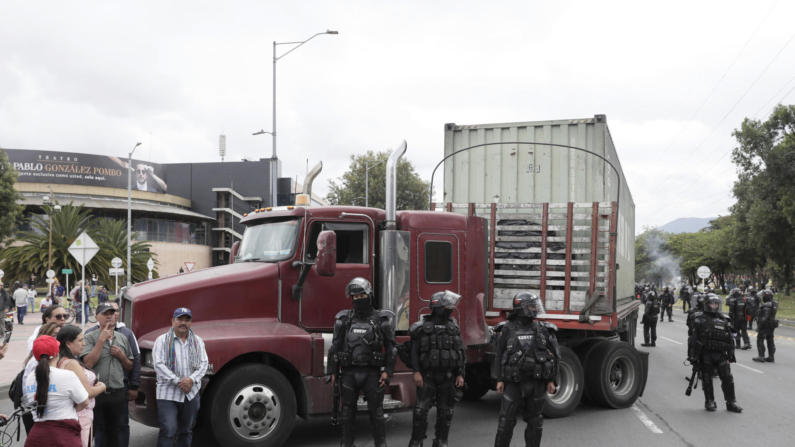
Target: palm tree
(29, 253)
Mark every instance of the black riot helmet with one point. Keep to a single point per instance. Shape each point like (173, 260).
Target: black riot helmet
(699, 300)
(767, 296)
(652, 295)
(751, 290)
(527, 304)
(646, 289)
(736, 292)
(359, 286)
(446, 299)
(665, 289)
(712, 303)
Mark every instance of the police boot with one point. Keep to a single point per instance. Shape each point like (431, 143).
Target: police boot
(504, 432)
(444, 419)
(759, 359)
(770, 360)
(746, 347)
(709, 395)
(654, 342)
(347, 419)
(379, 427)
(532, 434)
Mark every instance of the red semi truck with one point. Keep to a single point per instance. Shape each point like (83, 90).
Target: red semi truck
(266, 318)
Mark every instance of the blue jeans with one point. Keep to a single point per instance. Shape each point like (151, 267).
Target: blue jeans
(79, 317)
(32, 305)
(93, 291)
(176, 419)
(21, 313)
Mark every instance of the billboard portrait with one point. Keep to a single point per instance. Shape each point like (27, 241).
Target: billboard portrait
(70, 168)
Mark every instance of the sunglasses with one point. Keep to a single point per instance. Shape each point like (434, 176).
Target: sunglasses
(59, 316)
(141, 171)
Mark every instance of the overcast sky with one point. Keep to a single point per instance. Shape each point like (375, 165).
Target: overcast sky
(96, 77)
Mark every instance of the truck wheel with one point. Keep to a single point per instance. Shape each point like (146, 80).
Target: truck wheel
(584, 351)
(614, 377)
(571, 381)
(252, 405)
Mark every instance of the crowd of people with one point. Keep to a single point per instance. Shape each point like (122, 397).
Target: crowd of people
(714, 336)
(81, 383)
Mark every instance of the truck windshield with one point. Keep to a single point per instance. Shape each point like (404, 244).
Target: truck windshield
(269, 242)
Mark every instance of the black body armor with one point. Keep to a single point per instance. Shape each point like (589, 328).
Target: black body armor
(767, 316)
(714, 333)
(652, 308)
(441, 348)
(531, 352)
(362, 341)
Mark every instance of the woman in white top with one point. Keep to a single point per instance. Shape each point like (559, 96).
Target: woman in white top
(59, 395)
(53, 314)
(72, 343)
(30, 363)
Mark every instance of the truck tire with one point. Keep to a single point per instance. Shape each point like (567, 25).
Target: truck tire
(253, 404)
(614, 376)
(478, 380)
(571, 382)
(584, 352)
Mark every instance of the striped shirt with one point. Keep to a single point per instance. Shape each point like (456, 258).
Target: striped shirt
(167, 379)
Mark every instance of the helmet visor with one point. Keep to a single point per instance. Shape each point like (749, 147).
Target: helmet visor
(358, 286)
(533, 307)
(450, 299)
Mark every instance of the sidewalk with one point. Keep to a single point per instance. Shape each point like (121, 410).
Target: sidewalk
(11, 364)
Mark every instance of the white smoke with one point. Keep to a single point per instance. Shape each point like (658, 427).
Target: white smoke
(665, 265)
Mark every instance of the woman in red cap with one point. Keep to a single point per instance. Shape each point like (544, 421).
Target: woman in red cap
(59, 395)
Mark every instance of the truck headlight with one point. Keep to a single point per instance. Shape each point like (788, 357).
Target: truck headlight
(148, 359)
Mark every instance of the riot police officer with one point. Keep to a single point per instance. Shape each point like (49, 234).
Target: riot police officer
(766, 325)
(711, 347)
(363, 347)
(684, 295)
(645, 295)
(737, 313)
(527, 365)
(649, 320)
(667, 303)
(438, 359)
(754, 303)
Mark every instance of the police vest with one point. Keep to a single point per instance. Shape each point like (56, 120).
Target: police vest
(740, 305)
(653, 308)
(767, 316)
(715, 335)
(441, 347)
(528, 352)
(364, 343)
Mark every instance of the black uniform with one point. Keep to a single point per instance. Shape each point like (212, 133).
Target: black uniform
(710, 346)
(528, 355)
(668, 299)
(737, 313)
(754, 303)
(363, 346)
(766, 327)
(439, 355)
(650, 311)
(684, 295)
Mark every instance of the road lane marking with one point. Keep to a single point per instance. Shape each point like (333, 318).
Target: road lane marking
(748, 367)
(645, 419)
(672, 341)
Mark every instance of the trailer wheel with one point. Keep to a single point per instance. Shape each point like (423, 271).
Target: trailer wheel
(614, 375)
(571, 382)
(584, 352)
(252, 405)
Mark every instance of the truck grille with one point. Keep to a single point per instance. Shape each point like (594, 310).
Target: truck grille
(127, 312)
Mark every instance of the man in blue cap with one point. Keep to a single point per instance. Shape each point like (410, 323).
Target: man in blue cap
(180, 362)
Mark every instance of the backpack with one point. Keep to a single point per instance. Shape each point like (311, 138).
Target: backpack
(15, 390)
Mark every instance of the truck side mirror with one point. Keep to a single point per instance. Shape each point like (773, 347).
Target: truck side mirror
(326, 262)
(233, 255)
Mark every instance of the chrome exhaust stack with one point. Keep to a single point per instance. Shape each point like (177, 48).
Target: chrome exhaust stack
(305, 198)
(394, 268)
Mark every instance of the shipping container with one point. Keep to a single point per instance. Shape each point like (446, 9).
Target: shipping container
(535, 173)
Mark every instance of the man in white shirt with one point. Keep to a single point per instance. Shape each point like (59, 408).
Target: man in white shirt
(180, 362)
(32, 299)
(21, 300)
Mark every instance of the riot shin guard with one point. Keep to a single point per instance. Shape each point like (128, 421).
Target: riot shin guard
(378, 426)
(347, 419)
(419, 427)
(532, 434)
(444, 419)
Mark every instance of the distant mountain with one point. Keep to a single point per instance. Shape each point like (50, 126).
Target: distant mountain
(686, 225)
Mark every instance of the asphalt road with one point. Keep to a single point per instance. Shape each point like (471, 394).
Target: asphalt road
(664, 416)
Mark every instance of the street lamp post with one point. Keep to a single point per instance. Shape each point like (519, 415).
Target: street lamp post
(50, 200)
(129, 214)
(274, 169)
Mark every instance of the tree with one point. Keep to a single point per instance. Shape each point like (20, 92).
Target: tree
(31, 256)
(10, 211)
(412, 191)
(765, 189)
(654, 260)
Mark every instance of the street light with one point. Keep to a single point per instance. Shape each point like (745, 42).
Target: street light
(129, 214)
(54, 209)
(274, 172)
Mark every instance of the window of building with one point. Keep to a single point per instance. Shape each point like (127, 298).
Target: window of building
(438, 262)
(352, 241)
(162, 230)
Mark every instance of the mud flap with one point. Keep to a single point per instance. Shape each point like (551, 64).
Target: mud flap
(644, 360)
